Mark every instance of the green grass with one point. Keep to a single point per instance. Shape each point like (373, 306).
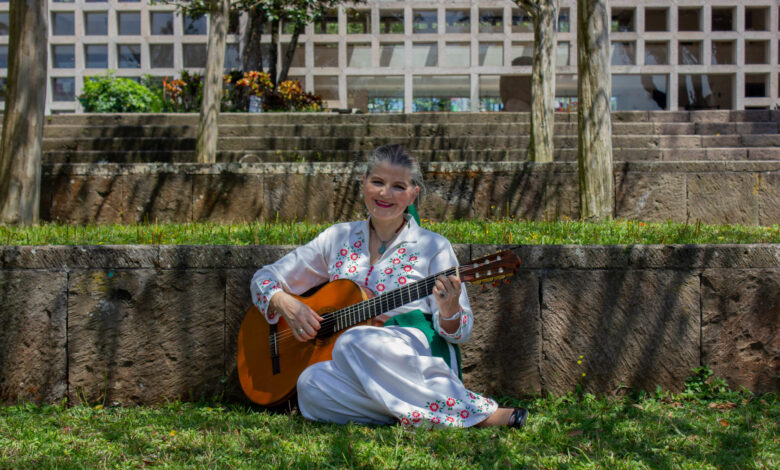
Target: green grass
(655, 431)
(488, 232)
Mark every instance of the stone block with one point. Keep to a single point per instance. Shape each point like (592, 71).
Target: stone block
(237, 302)
(769, 198)
(740, 316)
(82, 199)
(313, 197)
(220, 256)
(145, 336)
(636, 329)
(715, 154)
(720, 141)
(502, 356)
(697, 257)
(681, 154)
(227, 197)
(84, 256)
(756, 140)
(158, 196)
(450, 195)
(723, 198)
(711, 116)
(650, 196)
(764, 153)
(33, 338)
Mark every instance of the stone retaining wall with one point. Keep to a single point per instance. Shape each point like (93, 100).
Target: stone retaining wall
(141, 324)
(712, 192)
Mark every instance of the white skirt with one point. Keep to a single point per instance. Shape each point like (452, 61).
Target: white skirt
(380, 375)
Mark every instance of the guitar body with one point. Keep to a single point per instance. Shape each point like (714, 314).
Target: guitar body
(260, 382)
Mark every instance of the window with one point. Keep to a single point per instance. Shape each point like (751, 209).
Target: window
(391, 55)
(656, 19)
(458, 21)
(391, 22)
(327, 87)
(522, 53)
(656, 53)
(491, 21)
(639, 92)
(194, 55)
(441, 93)
(4, 24)
(563, 54)
(96, 56)
(63, 56)
(491, 54)
(129, 56)
(358, 21)
(623, 20)
(756, 52)
(195, 26)
(689, 53)
(4, 56)
(377, 94)
(756, 85)
(425, 21)
(161, 56)
(96, 23)
(722, 19)
(326, 55)
(328, 24)
(161, 22)
(129, 23)
(359, 55)
(689, 19)
(425, 54)
(563, 21)
(756, 19)
(457, 54)
(521, 22)
(62, 24)
(490, 93)
(299, 56)
(63, 88)
(705, 91)
(232, 59)
(623, 53)
(723, 52)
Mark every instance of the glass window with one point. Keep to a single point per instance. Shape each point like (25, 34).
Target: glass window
(723, 52)
(391, 55)
(722, 19)
(689, 53)
(358, 21)
(639, 92)
(234, 22)
(326, 55)
(161, 22)
(756, 52)
(522, 53)
(161, 56)
(4, 56)
(458, 21)
(457, 54)
(327, 87)
(378, 94)
(425, 54)
(129, 23)
(441, 93)
(299, 56)
(391, 21)
(232, 59)
(288, 27)
(563, 21)
(756, 18)
(623, 53)
(756, 85)
(193, 55)
(359, 55)
(96, 56)
(623, 20)
(521, 22)
(63, 88)
(63, 56)
(96, 23)
(328, 24)
(490, 93)
(4, 24)
(689, 19)
(3, 83)
(563, 54)
(129, 56)
(195, 26)
(491, 21)
(656, 19)
(656, 53)
(705, 91)
(491, 54)
(62, 24)
(425, 21)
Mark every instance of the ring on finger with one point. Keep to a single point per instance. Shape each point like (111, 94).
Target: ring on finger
(442, 294)
(300, 331)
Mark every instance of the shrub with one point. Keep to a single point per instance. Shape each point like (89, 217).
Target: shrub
(110, 94)
(184, 94)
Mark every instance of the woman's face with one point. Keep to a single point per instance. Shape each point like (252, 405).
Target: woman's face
(388, 191)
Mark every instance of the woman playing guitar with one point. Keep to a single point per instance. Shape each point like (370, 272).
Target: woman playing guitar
(408, 370)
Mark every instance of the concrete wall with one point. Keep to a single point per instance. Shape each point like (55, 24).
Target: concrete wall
(746, 192)
(141, 324)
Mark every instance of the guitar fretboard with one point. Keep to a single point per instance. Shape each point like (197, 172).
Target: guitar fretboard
(368, 309)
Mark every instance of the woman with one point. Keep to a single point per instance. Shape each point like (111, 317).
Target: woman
(407, 370)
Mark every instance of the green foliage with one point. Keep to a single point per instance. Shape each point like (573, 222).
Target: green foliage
(110, 94)
(702, 385)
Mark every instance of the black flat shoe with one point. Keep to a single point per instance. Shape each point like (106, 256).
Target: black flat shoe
(518, 417)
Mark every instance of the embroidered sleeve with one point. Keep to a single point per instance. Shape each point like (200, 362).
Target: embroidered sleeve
(446, 259)
(263, 288)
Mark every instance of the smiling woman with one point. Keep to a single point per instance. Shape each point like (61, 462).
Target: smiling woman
(407, 370)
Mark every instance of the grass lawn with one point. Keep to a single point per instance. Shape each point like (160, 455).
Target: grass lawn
(652, 431)
(509, 231)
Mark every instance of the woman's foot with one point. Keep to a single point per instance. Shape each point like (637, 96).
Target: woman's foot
(512, 417)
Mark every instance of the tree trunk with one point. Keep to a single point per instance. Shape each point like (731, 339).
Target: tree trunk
(20, 145)
(253, 52)
(290, 53)
(543, 81)
(594, 152)
(206, 147)
(274, 57)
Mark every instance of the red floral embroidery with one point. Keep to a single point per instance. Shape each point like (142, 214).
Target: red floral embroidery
(353, 256)
(405, 421)
(396, 261)
(357, 244)
(352, 269)
(271, 315)
(434, 407)
(450, 402)
(472, 396)
(464, 414)
(435, 420)
(402, 280)
(401, 251)
(407, 268)
(266, 282)
(413, 258)
(450, 419)
(465, 319)
(335, 276)
(343, 252)
(380, 287)
(389, 271)
(339, 263)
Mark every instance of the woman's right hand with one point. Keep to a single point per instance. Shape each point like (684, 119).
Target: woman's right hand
(302, 320)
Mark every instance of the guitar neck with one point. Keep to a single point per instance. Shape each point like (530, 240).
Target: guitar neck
(368, 309)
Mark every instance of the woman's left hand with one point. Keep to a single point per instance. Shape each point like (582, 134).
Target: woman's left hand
(446, 291)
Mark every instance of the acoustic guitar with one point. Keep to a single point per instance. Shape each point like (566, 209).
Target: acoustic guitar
(270, 359)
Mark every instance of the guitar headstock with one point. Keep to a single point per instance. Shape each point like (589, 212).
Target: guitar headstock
(490, 268)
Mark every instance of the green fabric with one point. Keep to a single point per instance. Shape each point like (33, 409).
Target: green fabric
(412, 210)
(424, 322)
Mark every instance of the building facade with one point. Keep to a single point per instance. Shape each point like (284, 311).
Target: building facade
(441, 55)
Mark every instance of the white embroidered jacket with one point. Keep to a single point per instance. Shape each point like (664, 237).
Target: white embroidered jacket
(341, 252)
